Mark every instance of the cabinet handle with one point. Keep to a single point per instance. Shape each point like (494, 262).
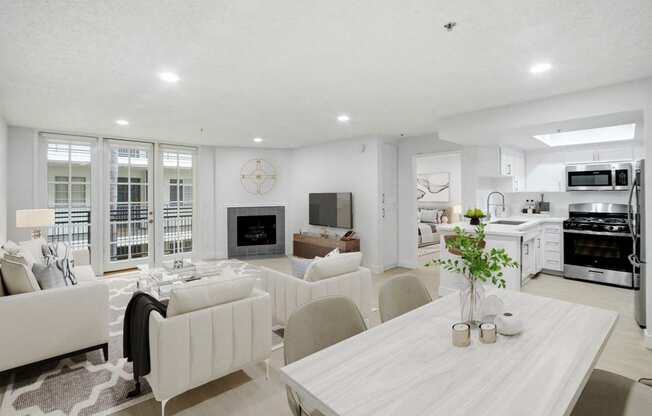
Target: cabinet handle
(538, 243)
(527, 249)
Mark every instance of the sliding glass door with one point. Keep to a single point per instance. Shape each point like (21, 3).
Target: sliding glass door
(129, 224)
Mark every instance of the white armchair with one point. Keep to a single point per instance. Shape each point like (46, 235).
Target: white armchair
(193, 348)
(288, 293)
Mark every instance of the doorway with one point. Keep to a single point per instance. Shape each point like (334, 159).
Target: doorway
(437, 178)
(129, 231)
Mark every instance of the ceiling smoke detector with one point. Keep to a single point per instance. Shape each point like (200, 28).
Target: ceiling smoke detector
(450, 26)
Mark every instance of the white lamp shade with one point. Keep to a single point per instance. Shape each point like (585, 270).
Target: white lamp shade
(31, 218)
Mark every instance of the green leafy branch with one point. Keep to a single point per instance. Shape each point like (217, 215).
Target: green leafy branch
(473, 260)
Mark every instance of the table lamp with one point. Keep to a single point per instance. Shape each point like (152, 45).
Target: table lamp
(35, 219)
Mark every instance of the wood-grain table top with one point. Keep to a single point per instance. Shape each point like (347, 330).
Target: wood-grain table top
(408, 366)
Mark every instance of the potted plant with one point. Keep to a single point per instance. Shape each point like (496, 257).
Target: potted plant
(475, 214)
(478, 265)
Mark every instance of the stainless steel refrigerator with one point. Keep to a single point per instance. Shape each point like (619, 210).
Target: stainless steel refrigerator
(636, 219)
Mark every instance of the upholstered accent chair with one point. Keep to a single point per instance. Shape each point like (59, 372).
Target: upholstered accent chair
(288, 293)
(193, 348)
(315, 326)
(400, 295)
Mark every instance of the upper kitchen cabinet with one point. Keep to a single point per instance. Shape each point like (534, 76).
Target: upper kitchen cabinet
(545, 172)
(600, 155)
(502, 162)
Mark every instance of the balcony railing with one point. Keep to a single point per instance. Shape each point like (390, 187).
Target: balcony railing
(74, 226)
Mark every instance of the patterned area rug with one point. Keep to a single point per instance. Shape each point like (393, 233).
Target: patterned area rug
(80, 385)
(86, 384)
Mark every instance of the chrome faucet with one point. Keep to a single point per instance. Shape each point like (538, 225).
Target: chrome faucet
(502, 204)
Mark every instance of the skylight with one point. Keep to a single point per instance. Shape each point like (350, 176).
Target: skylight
(600, 135)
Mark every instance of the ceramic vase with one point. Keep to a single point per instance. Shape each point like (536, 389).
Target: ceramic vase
(471, 298)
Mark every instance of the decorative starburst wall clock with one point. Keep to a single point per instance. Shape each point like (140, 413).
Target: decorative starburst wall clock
(258, 176)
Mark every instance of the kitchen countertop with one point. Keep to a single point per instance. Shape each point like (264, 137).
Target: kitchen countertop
(505, 230)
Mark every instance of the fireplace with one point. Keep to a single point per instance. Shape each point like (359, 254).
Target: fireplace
(256, 231)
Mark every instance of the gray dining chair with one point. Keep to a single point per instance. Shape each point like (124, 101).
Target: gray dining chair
(401, 295)
(610, 394)
(315, 326)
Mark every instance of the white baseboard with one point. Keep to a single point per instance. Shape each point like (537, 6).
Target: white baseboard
(647, 338)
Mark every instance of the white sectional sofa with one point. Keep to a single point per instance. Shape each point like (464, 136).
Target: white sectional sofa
(288, 292)
(194, 348)
(44, 324)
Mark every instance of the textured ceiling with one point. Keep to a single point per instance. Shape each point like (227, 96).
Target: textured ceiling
(284, 70)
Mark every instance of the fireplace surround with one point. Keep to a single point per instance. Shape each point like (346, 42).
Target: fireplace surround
(256, 231)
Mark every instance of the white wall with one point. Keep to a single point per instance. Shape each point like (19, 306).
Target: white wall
(230, 192)
(439, 163)
(3, 180)
(20, 178)
(408, 149)
(342, 166)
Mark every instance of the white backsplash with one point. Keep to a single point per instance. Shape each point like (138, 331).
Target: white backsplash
(559, 201)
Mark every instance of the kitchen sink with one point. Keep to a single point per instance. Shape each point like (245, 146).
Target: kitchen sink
(506, 222)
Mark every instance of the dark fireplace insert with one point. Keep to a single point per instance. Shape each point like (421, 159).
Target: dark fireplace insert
(256, 230)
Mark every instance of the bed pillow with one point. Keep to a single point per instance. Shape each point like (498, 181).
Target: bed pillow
(326, 267)
(429, 215)
(207, 293)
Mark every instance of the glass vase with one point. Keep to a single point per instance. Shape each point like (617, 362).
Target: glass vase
(471, 298)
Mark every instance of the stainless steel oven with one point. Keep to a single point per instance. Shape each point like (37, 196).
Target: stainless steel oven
(598, 243)
(599, 176)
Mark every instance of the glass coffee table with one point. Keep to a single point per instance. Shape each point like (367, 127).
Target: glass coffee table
(159, 281)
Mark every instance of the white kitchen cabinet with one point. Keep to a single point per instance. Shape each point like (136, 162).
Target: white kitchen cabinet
(545, 173)
(614, 154)
(528, 260)
(553, 247)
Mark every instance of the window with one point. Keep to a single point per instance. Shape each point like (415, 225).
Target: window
(179, 200)
(69, 192)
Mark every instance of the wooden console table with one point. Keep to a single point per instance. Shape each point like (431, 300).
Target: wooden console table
(310, 246)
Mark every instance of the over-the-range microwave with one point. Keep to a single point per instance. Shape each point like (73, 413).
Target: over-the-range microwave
(605, 176)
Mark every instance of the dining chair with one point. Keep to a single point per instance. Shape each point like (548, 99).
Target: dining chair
(315, 326)
(610, 394)
(401, 295)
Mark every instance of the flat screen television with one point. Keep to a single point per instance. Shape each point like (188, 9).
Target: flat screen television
(331, 209)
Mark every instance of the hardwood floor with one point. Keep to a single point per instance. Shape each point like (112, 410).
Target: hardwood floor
(248, 393)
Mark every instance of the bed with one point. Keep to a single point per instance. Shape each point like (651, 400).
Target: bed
(427, 221)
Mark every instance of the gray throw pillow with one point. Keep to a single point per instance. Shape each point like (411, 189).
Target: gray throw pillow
(49, 277)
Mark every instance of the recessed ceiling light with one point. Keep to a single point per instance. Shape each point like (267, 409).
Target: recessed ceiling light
(599, 135)
(343, 118)
(169, 77)
(258, 139)
(540, 68)
(122, 122)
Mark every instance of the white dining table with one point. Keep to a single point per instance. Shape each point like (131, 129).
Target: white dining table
(408, 366)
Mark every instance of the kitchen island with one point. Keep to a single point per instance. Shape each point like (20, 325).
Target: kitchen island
(536, 243)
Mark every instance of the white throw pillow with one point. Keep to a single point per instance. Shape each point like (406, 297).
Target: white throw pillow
(17, 278)
(300, 266)
(333, 266)
(332, 253)
(32, 250)
(206, 293)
